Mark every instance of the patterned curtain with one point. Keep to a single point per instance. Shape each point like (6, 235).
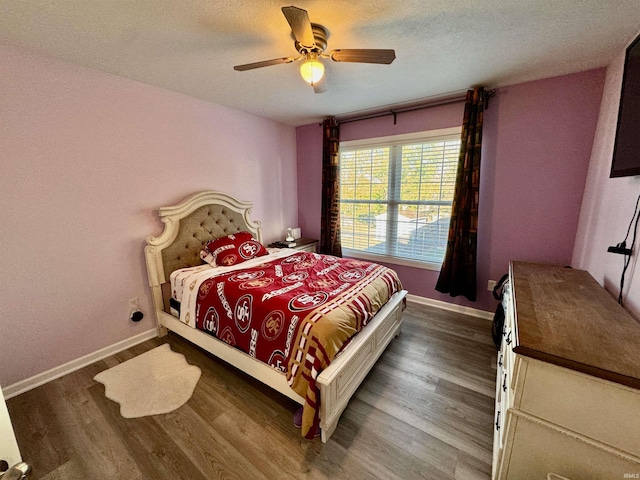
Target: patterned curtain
(330, 218)
(458, 272)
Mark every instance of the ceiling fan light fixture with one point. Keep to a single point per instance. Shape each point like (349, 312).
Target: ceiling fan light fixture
(310, 41)
(312, 70)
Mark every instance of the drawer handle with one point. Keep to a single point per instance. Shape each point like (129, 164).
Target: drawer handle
(498, 421)
(504, 383)
(20, 471)
(500, 361)
(509, 338)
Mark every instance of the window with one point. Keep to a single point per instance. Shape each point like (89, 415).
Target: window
(396, 194)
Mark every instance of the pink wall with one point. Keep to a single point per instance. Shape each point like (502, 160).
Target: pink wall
(86, 157)
(536, 148)
(608, 203)
(541, 138)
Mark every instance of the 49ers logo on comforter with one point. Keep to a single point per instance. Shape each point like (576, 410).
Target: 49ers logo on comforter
(305, 301)
(352, 275)
(273, 325)
(242, 313)
(210, 321)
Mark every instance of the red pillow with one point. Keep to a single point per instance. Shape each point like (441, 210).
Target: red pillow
(232, 249)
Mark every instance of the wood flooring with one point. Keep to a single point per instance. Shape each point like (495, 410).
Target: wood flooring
(424, 411)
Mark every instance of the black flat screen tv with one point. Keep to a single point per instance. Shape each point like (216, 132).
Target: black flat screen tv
(626, 150)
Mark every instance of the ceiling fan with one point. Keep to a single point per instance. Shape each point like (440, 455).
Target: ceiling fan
(311, 42)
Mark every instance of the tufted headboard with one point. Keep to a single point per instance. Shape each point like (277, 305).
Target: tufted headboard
(206, 223)
(189, 226)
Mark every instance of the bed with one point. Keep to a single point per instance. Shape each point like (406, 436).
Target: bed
(211, 215)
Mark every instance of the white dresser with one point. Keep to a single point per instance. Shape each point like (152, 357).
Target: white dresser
(568, 379)
(9, 452)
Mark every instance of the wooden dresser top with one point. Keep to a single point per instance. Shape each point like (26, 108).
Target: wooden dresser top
(563, 316)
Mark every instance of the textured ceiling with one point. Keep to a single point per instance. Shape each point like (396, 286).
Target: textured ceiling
(442, 46)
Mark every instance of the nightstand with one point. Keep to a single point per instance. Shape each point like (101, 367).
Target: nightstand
(302, 244)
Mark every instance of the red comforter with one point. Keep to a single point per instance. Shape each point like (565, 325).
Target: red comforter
(295, 313)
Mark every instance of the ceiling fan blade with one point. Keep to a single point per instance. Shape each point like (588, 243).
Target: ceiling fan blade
(266, 63)
(363, 55)
(321, 85)
(300, 25)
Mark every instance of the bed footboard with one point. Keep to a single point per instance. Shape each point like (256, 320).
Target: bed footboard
(339, 382)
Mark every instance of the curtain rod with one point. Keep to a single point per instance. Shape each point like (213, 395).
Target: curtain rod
(412, 108)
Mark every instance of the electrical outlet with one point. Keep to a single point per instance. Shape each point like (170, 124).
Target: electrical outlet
(491, 284)
(134, 304)
(135, 315)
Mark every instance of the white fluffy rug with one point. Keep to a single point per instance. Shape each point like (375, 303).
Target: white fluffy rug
(158, 381)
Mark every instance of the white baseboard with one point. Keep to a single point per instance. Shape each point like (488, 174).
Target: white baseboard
(474, 312)
(57, 372)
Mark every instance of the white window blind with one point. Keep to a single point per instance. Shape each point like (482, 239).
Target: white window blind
(396, 195)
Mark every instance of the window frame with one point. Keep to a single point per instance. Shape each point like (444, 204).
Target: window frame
(394, 193)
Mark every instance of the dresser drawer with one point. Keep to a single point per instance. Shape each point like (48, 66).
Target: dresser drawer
(599, 409)
(537, 449)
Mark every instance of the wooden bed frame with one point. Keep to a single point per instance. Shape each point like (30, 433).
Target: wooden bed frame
(210, 214)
